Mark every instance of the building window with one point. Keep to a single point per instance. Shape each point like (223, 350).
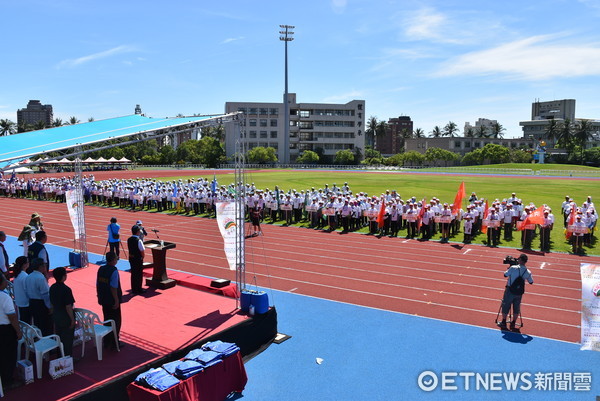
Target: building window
(467, 144)
(274, 145)
(242, 109)
(263, 134)
(263, 144)
(252, 110)
(305, 146)
(274, 111)
(476, 145)
(306, 136)
(252, 135)
(304, 113)
(264, 111)
(273, 123)
(263, 122)
(273, 134)
(457, 144)
(253, 122)
(305, 124)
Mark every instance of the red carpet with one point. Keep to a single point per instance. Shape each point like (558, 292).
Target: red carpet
(154, 324)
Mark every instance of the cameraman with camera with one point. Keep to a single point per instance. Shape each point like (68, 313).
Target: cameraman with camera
(517, 273)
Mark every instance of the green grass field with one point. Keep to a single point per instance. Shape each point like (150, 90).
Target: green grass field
(539, 190)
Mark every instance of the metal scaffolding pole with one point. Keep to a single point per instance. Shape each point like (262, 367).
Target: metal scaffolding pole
(80, 235)
(240, 212)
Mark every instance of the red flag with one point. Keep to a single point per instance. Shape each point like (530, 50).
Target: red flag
(458, 199)
(381, 214)
(421, 213)
(571, 220)
(535, 217)
(486, 212)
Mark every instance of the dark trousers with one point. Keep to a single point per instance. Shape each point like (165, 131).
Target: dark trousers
(137, 270)
(24, 314)
(8, 353)
(114, 247)
(508, 231)
(114, 314)
(41, 316)
(66, 334)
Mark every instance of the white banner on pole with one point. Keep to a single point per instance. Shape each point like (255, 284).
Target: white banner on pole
(590, 306)
(72, 205)
(228, 227)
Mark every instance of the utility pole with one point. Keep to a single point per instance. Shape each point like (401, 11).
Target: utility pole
(286, 36)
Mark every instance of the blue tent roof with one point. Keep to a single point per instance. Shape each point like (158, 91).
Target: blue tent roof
(28, 144)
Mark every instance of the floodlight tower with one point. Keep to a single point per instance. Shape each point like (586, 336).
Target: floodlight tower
(286, 36)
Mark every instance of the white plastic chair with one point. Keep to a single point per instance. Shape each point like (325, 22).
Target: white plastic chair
(22, 342)
(94, 328)
(40, 345)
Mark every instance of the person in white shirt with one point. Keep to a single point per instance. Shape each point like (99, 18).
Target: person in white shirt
(510, 297)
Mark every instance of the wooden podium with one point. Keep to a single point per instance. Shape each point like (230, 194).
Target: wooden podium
(159, 264)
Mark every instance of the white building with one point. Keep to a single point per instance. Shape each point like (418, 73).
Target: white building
(321, 127)
(482, 122)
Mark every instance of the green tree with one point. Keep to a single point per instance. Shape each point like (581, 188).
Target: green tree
(344, 157)
(436, 132)
(551, 132)
(395, 160)
(371, 153)
(434, 155)
(73, 120)
(592, 156)
(90, 119)
(211, 152)
(582, 134)
(217, 132)
(167, 155)
(39, 125)
(450, 129)
(520, 156)
(58, 122)
(188, 152)
(419, 133)
(481, 132)
(470, 132)
(370, 131)
(494, 154)
(308, 157)
(497, 130)
(262, 155)
(7, 127)
(382, 127)
(565, 135)
(413, 158)
(472, 158)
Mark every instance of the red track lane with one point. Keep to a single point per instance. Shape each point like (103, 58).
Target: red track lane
(450, 282)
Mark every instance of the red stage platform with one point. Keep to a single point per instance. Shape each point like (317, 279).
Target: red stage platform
(156, 324)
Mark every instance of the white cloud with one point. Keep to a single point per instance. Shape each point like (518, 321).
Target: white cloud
(535, 58)
(339, 6)
(457, 28)
(71, 63)
(229, 40)
(343, 97)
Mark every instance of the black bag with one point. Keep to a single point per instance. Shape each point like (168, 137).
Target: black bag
(518, 286)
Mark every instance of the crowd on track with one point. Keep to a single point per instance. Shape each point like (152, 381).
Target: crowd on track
(332, 208)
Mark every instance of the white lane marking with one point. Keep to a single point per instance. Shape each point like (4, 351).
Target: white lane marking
(465, 252)
(293, 289)
(543, 264)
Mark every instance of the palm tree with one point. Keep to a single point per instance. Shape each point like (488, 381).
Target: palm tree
(57, 122)
(39, 125)
(481, 132)
(370, 131)
(497, 130)
(73, 120)
(582, 134)
(450, 129)
(565, 132)
(90, 119)
(436, 133)
(419, 133)
(469, 133)
(7, 127)
(551, 133)
(381, 129)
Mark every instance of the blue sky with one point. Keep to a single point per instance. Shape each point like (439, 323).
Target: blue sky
(436, 61)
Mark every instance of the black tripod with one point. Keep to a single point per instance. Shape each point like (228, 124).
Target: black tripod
(106, 246)
(498, 321)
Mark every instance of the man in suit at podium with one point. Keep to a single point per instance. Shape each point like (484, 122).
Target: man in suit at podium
(136, 248)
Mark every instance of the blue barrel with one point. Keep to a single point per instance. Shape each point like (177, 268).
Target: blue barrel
(245, 301)
(260, 300)
(75, 259)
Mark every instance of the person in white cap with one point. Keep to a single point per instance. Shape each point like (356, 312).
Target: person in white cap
(143, 232)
